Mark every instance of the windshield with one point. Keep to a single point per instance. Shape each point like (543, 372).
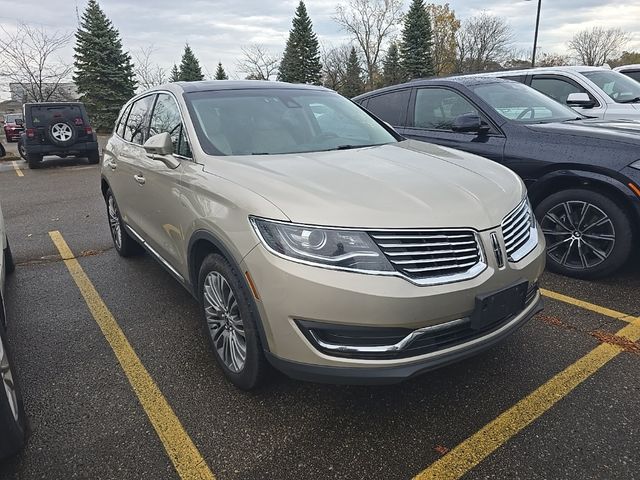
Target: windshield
(12, 118)
(520, 103)
(619, 87)
(279, 121)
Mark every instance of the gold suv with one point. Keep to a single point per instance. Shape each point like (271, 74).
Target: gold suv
(316, 239)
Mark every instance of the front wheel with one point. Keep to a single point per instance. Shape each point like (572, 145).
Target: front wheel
(588, 236)
(12, 415)
(122, 241)
(231, 322)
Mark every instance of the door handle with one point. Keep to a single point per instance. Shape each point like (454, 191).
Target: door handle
(140, 179)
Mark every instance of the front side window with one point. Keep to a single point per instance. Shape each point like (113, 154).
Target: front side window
(391, 107)
(515, 101)
(437, 108)
(556, 88)
(281, 121)
(166, 118)
(619, 87)
(137, 127)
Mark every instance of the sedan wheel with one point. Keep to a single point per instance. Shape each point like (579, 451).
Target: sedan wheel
(6, 379)
(12, 415)
(125, 245)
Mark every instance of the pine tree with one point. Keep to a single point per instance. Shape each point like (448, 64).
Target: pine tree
(353, 84)
(391, 69)
(301, 60)
(415, 48)
(220, 73)
(190, 70)
(103, 71)
(175, 74)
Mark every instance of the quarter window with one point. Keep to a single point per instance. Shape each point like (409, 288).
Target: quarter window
(137, 127)
(166, 118)
(556, 88)
(123, 121)
(437, 108)
(391, 107)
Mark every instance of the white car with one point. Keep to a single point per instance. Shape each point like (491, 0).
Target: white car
(12, 416)
(632, 71)
(592, 91)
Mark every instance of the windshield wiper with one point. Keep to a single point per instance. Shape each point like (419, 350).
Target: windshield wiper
(632, 100)
(575, 119)
(351, 147)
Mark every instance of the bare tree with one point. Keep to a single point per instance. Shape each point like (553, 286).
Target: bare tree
(334, 63)
(258, 63)
(29, 58)
(148, 73)
(483, 43)
(370, 23)
(597, 45)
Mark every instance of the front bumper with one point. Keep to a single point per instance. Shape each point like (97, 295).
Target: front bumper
(291, 293)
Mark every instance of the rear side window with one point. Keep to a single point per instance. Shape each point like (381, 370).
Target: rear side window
(166, 118)
(391, 107)
(635, 74)
(43, 116)
(137, 127)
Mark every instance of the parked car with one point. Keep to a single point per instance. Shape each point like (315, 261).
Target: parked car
(12, 415)
(13, 126)
(591, 91)
(57, 128)
(331, 250)
(632, 71)
(583, 175)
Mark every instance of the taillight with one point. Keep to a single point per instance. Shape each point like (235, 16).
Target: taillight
(31, 132)
(88, 130)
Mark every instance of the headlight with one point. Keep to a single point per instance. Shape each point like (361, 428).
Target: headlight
(635, 164)
(531, 214)
(341, 249)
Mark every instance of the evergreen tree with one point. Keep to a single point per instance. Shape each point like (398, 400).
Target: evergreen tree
(175, 74)
(353, 84)
(391, 70)
(190, 70)
(415, 48)
(103, 71)
(220, 73)
(301, 59)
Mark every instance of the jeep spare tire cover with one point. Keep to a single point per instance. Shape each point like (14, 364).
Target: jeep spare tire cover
(61, 133)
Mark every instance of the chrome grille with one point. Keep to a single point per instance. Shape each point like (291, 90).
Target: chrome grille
(518, 232)
(443, 255)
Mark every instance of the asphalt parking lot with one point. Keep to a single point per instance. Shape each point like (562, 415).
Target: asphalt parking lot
(558, 400)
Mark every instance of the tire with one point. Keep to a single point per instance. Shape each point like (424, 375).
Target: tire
(10, 266)
(13, 423)
(21, 151)
(124, 244)
(61, 133)
(592, 240)
(34, 160)
(94, 157)
(217, 274)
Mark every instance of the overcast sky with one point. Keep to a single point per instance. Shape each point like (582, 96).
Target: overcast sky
(217, 29)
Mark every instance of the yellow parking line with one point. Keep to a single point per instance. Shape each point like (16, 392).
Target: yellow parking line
(587, 306)
(186, 458)
(481, 444)
(17, 169)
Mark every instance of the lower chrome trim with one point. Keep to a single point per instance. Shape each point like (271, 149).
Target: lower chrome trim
(153, 252)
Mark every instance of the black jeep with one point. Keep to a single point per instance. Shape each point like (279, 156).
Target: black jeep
(60, 128)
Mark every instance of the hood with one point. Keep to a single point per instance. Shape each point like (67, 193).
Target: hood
(625, 131)
(404, 185)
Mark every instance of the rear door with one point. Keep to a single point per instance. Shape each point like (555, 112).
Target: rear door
(431, 119)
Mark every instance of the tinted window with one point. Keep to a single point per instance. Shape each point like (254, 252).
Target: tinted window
(122, 121)
(166, 118)
(515, 78)
(280, 121)
(635, 74)
(556, 88)
(42, 115)
(437, 108)
(391, 107)
(137, 128)
(619, 87)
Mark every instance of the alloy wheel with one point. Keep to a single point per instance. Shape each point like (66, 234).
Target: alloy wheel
(61, 132)
(579, 234)
(6, 379)
(224, 322)
(114, 222)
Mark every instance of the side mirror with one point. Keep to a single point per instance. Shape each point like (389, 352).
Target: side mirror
(580, 99)
(19, 121)
(160, 147)
(469, 123)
